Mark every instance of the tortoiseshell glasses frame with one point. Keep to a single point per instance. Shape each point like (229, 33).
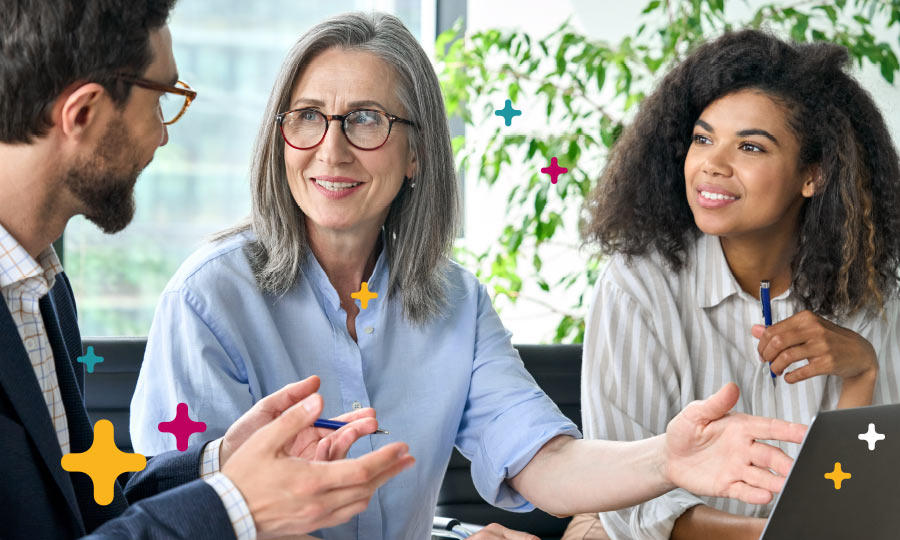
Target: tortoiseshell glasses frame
(180, 88)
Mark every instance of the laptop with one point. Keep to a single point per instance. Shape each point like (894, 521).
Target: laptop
(867, 505)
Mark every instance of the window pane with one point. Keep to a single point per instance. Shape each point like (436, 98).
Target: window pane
(229, 51)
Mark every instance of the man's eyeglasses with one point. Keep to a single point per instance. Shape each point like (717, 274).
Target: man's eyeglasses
(365, 129)
(174, 101)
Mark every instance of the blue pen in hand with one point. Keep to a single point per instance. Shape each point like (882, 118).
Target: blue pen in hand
(767, 310)
(334, 424)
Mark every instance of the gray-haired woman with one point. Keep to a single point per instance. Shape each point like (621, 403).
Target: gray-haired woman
(354, 194)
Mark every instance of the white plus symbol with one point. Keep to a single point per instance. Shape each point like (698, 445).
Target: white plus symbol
(871, 436)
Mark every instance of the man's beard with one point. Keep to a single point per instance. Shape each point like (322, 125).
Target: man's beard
(104, 182)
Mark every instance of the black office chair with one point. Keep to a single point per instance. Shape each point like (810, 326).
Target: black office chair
(108, 390)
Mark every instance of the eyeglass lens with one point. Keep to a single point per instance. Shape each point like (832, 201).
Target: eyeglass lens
(172, 104)
(364, 128)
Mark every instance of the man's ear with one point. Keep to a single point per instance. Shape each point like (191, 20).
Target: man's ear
(79, 110)
(814, 182)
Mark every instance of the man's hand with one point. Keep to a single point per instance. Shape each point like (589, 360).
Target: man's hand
(310, 443)
(712, 452)
(499, 532)
(291, 495)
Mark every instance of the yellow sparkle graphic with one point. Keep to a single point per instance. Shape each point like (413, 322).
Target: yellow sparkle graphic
(837, 475)
(103, 462)
(364, 295)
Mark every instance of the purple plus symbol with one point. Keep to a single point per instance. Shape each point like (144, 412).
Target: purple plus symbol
(554, 170)
(182, 427)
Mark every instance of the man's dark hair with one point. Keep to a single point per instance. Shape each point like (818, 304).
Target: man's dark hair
(47, 45)
(849, 246)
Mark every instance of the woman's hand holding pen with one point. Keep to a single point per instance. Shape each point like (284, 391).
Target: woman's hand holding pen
(829, 348)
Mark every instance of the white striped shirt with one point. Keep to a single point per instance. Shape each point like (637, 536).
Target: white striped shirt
(658, 339)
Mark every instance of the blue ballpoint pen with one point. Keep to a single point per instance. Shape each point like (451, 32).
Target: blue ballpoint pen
(334, 424)
(767, 310)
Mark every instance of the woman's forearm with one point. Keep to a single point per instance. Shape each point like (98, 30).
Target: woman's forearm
(701, 522)
(570, 476)
(858, 391)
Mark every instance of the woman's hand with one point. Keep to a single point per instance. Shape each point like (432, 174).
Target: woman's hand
(829, 348)
(712, 452)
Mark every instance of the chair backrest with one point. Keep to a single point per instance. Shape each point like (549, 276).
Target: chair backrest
(108, 390)
(556, 368)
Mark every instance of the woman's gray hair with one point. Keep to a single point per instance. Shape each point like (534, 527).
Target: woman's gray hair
(421, 223)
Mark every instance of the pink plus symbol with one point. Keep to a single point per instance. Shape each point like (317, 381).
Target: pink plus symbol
(554, 170)
(182, 427)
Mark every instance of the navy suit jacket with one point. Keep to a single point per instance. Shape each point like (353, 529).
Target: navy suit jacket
(38, 499)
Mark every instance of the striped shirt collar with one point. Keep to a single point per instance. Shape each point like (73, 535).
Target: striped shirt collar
(16, 265)
(714, 280)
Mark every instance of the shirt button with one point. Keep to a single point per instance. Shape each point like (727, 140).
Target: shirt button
(369, 330)
(357, 405)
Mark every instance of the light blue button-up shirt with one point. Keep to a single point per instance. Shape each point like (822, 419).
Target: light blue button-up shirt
(219, 345)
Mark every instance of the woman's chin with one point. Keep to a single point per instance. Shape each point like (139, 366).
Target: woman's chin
(335, 225)
(713, 228)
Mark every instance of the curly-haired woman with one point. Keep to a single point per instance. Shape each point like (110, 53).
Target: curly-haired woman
(755, 159)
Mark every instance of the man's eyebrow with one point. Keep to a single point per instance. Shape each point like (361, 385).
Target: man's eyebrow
(173, 80)
(353, 104)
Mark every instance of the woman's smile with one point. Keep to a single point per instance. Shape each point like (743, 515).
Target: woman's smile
(712, 197)
(336, 187)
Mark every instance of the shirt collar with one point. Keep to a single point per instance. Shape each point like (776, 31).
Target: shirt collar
(714, 280)
(316, 274)
(16, 265)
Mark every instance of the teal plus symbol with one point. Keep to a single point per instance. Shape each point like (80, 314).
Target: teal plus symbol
(507, 112)
(90, 359)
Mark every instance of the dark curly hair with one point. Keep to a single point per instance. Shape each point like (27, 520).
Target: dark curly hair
(46, 45)
(849, 249)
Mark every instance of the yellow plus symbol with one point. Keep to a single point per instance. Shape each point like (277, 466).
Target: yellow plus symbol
(363, 295)
(837, 475)
(103, 462)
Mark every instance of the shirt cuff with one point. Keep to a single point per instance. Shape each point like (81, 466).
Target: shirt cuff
(209, 460)
(235, 505)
